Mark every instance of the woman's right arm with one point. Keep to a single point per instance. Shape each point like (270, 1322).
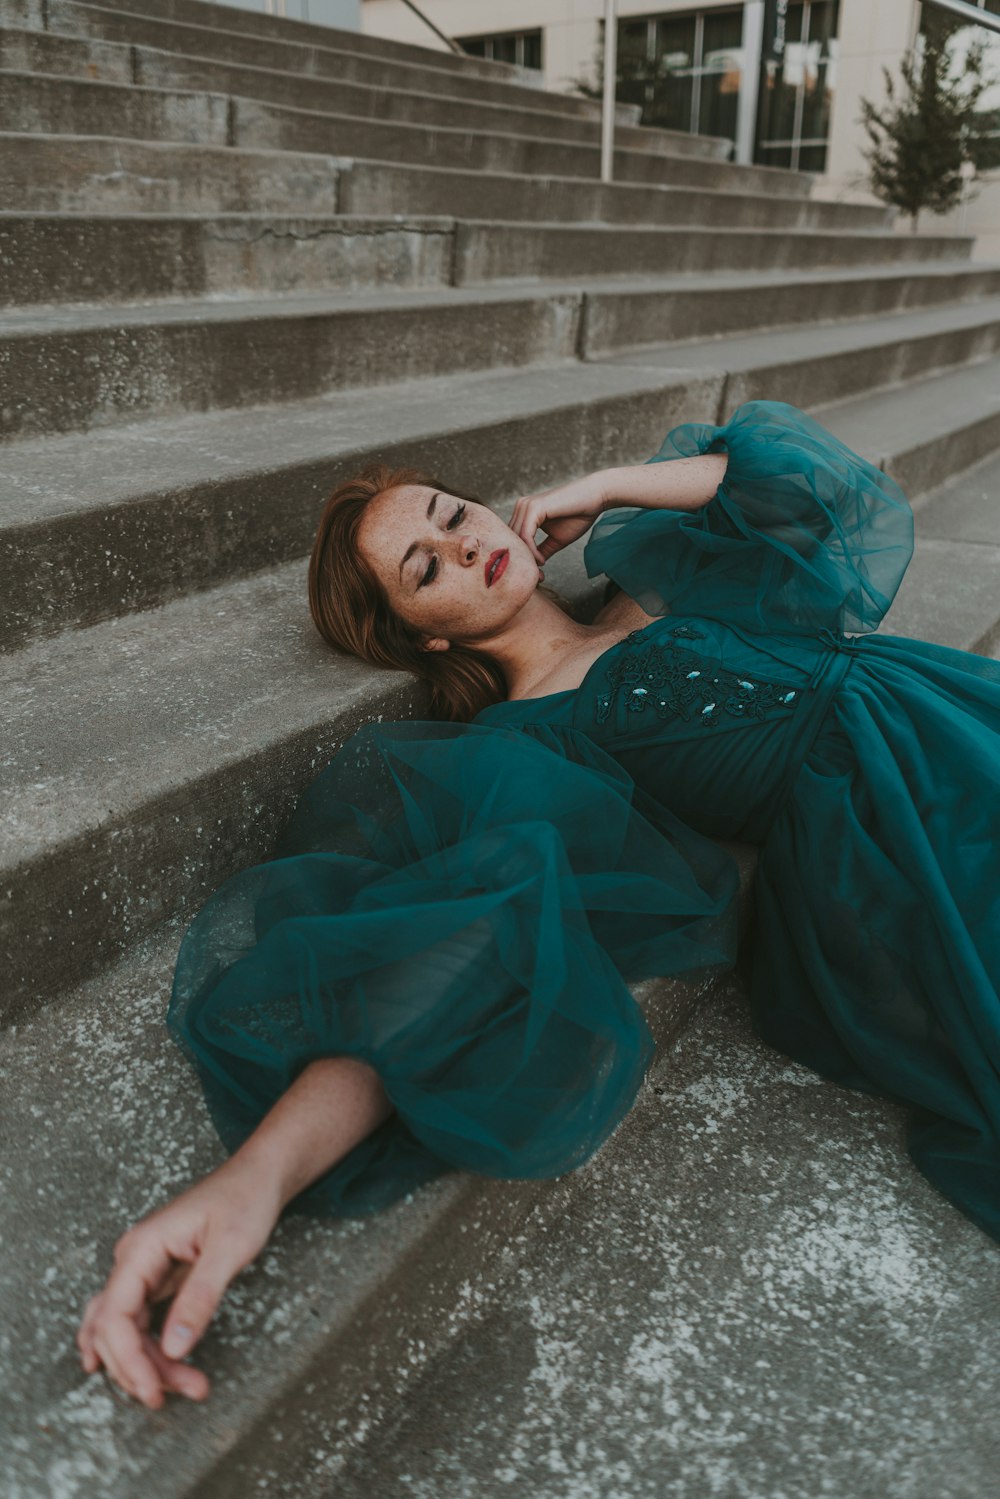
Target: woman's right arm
(193, 1247)
(566, 512)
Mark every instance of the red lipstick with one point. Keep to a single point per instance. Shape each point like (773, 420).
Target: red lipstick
(491, 573)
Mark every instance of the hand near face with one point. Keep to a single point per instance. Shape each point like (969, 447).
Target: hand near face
(565, 513)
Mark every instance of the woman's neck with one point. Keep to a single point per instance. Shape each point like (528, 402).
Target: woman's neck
(531, 647)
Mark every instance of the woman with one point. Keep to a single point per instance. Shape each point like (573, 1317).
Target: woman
(433, 969)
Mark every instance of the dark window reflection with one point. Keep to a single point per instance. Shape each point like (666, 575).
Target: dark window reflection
(684, 70)
(796, 89)
(521, 47)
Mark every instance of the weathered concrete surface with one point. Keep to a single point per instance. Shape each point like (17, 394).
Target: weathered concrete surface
(726, 303)
(951, 590)
(101, 173)
(36, 103)
(965, 508)
(129, 517)
(132, 789)
(951, 594)
(325, 52)
(492, 251)
(208, 31)
(65, 368)
(364, 92)
(498, 194)
(62, 104)
(124, 62)
(750, 1294)
(80, 57)
(926, 431)
(48, 258)
(115, 258)
(89, 174)
(833, 362)
(103, 1121)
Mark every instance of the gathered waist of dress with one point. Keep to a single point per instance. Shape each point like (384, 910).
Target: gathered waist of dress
(832, 666)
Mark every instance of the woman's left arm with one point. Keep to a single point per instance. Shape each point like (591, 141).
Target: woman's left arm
(567, 511)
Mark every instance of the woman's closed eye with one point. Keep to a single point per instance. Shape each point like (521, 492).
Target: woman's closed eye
(432, 568)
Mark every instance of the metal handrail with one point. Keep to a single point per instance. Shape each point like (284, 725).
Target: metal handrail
(448, 41)
(970, 13)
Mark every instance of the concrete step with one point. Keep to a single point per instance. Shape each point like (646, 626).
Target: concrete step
(491, 252)
(726, 304)
(238, 35)
(100, 173)
(831, 362)
(83, 368)
(40, 103)
(381, 98)
(104, 1123)
(386, 186)
(86, 367)
(933, 435)
(964, 507)
(220, 32)
(751, 1292)
(147, 758)
(951, 589)
(48, 258)
(129, 517)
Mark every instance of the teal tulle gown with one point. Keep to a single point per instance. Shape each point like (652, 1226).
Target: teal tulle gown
(464, 905)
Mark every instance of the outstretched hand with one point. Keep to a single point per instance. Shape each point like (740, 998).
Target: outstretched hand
(564, 513)
(190, 1250)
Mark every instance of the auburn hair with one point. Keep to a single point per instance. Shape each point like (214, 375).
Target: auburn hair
(352, 612)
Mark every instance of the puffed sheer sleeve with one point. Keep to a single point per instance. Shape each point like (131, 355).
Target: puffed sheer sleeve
(801, 533)
(462, 906)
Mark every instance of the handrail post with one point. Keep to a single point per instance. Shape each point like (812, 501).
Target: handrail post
(608, 109)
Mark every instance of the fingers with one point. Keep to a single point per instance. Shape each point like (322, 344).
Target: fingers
(523, 521)
(113, 1325)
(172, 1376)
(182, 1379)
(199, 1297)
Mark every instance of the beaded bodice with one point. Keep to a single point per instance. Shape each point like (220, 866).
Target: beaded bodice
(709, 718)
(681, 682)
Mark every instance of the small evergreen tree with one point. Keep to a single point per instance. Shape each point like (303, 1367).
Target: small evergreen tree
(921, 141)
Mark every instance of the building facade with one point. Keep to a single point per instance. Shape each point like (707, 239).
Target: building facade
(782, 79)
(345, 14)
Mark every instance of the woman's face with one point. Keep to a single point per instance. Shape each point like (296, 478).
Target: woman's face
(431, 550)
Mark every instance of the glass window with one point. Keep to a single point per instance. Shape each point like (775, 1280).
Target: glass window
(505, 48)
(521, 47)
(796, 88)
(683, 69)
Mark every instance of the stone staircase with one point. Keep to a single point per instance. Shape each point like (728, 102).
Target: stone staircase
(242, 256)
